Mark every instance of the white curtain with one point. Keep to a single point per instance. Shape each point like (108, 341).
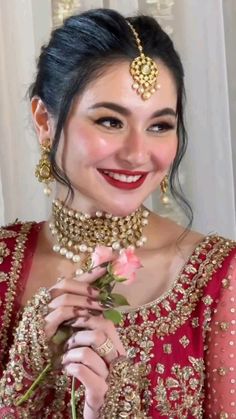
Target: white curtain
(23, 27)
(204, 33)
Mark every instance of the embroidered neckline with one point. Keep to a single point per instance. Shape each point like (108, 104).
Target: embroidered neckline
(197, 250)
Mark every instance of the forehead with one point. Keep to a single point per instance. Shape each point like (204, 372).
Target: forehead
(115, 85)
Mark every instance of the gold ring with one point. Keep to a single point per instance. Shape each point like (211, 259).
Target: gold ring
(105, 348)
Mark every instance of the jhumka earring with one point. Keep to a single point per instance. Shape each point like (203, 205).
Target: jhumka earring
(144, 71)
(43, 170)
(164, 188)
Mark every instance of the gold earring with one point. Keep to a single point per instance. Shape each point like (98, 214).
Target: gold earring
(164, 189)
(43, 170)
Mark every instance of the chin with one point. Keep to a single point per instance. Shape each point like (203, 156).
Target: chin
(121, 209)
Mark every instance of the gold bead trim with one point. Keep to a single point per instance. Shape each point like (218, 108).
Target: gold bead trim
(144, 71)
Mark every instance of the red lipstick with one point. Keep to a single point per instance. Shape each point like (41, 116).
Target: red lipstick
(124, 185)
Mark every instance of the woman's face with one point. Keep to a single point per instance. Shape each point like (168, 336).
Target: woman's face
(116, 148)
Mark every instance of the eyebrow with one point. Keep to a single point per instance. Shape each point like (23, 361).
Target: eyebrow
(126, 112)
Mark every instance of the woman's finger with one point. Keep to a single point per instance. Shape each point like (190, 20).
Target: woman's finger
(72, 286)
(74, 300)
(60, 315)
(89, 277)
(96, 339)
(78, 285)
(95, 386)
(88, 357)
(100, 323)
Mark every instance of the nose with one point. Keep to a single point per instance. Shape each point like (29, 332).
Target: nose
(135, 151)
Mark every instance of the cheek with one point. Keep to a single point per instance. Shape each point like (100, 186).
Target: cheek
(86, 146)
(165, 152)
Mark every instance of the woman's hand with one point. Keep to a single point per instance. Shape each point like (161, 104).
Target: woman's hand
(83, 362)
(72, 298)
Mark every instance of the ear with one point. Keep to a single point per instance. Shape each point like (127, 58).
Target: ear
(43, 121)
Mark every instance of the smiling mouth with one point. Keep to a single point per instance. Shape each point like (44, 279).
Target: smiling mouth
(124, 179)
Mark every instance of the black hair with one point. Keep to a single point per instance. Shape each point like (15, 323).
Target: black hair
(81, 50)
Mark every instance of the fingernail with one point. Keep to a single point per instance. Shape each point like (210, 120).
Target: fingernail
(80, 321)
(95, 312)
(107, 304)
(93, 302)
(68, 322)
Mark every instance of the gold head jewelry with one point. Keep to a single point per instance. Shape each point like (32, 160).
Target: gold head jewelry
(164, 189)
(144, 71)
(78, 234)
(43, 170)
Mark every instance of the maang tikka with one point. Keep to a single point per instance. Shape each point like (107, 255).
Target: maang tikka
(43, 170)
(144, 71)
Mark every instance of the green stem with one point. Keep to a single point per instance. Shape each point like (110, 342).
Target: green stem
(72, 400)
(35, 384)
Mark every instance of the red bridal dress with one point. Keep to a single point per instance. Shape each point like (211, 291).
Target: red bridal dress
(185, 340)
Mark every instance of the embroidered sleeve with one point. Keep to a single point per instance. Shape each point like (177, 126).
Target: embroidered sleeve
(221, 353)
(29, 355)
(123, 395)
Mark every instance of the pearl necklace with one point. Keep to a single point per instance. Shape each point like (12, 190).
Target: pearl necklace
(77, 233)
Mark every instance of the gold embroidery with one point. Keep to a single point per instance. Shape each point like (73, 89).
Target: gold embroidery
(187, 300)
(222, 371)
(123, 401)
(7, 234)
(195, 322)
(225, 283)
(224, 415)
(184, 341)
(182, 387)
(161, 318)
(160, 368)
(224, 326)
(167, 348)
(3, 277)
(207, 300)
(4, 251)
(14, 274)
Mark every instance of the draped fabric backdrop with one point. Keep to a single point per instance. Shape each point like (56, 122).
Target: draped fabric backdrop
(204, 33)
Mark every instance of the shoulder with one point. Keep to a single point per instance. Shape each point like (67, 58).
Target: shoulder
(15, 230)
(167, 234)
(13, 239)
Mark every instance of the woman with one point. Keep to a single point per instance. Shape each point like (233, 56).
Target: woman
(107, 105)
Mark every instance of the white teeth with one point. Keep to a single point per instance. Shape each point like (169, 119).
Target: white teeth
(123, 178)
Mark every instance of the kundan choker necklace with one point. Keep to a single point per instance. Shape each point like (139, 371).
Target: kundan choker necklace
(78, 234)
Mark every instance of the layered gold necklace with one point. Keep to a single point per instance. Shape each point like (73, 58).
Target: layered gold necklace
(78, 234)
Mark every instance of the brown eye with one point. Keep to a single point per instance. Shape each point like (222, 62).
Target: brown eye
(110, 123)
(161, 127)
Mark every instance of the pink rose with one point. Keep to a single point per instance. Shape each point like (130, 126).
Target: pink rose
(125, 265)
(101, 255)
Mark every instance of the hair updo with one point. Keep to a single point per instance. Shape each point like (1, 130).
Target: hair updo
(80, 51)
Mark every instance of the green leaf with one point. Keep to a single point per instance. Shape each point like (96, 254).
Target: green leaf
(103, 281)
(109, 269)
(119, 300)
(119, 278)
(62, 335)
(104, 295)
(113, 315)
